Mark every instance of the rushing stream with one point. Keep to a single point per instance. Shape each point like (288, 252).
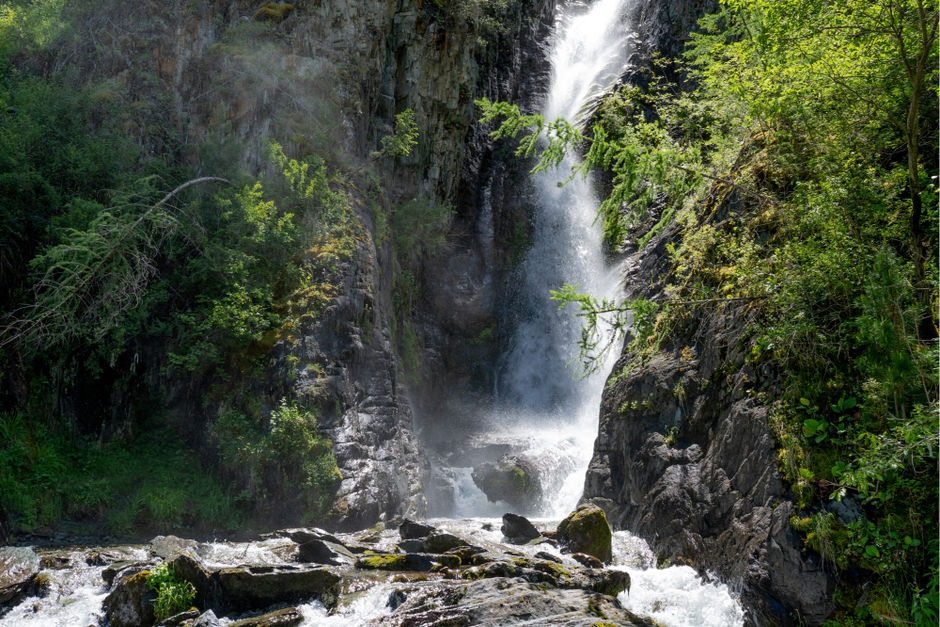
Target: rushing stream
(540, 412)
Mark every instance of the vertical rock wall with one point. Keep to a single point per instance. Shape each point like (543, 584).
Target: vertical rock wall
(685, 457)
(327, 77)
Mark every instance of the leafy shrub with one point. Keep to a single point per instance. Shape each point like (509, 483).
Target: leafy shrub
(279, 460)
(174, 595)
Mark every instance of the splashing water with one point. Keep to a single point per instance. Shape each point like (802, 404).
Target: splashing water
(542, 408)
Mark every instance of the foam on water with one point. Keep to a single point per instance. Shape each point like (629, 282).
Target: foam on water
(74, 598)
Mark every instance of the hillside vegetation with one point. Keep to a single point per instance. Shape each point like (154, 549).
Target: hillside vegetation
(817, 120)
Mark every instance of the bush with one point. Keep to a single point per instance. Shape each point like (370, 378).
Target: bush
(174, 595)
(282, 460)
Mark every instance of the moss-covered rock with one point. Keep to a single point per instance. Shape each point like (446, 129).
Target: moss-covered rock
(585, 530)
(513, 480)
(611, 582)
(130, 603)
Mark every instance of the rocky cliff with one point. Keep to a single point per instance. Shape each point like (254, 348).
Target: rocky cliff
(685, 456)
(321, 78)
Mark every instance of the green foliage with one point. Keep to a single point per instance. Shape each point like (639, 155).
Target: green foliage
(278, 459)
(154, 483)
(800, 171)
(419, 230)
(403, 140)
(174, 595)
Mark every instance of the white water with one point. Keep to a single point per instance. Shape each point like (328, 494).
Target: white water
(674, 596)
(542, 408)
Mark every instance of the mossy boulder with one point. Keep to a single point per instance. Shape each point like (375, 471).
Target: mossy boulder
(585, 530)
(513, 480)
(411, 530)
(611, 582)
(130, 602)
(406, 561)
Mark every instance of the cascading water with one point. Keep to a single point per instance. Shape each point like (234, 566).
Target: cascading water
(544, 412)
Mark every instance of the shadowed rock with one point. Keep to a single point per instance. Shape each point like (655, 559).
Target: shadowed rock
(517, 529)
(410, 530)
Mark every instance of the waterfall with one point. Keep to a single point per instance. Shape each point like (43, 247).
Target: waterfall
(544, 410)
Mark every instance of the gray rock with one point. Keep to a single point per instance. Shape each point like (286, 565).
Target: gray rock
(287, 617)
(324, 552)
(587, 560)
(168, 546)
(188, 567)
(513, 480)
(413, 546)
(18, 568)
(253, 587)
(130, 602)
(848, 510)
(178, 620)
(206, 619)
(114, 569)
(410, 530)
(502, 601)
(711, 495)
(542, 555)
(441, 542)
(517, 529)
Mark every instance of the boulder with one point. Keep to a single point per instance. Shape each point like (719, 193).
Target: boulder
(411, 530)
(304, 535)
(587, 560)
(54, 562)
(608, 581)
(188, 567)
(441, 542)
(253, 587)
(324, 552)
(206, 619)
(19, 566)
(399, 561)
(501, 601)
(168, 546)
(413, 546)
(518, 530)
(585, 530)
(513, 479)
(286, 617)
(111, 572)
(183, 619)
(130, 602)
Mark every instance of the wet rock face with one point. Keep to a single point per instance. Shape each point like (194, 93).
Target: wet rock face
(518, 530)
(18, 569)
(513, 479)
(585, 530)
(685, 459)
(130, 602)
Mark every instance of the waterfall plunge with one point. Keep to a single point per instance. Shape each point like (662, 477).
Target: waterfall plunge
(541, 402)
